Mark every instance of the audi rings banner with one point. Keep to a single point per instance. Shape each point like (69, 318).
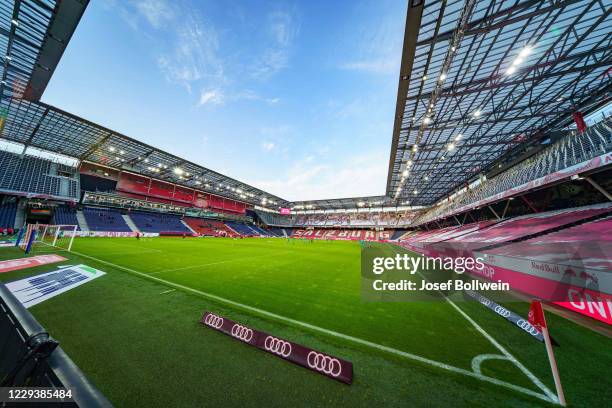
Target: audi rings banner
(509, 315)
(314, 360)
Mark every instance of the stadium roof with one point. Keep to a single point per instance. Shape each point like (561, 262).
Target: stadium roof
(479, 78)
(33, 37)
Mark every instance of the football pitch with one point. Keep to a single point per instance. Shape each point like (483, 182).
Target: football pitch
(135, 331)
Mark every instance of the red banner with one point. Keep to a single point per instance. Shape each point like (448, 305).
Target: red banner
(330, 366)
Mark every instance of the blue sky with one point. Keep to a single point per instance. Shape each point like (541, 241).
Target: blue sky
(294, 98)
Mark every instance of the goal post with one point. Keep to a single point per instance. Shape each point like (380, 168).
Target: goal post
(37, 236)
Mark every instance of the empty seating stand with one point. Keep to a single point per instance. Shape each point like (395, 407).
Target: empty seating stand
(526, 226)
(207, 227)
(154, 222)
(65, 216)
(7, 215)
(105, 219)
(243, 229)
(587, 245)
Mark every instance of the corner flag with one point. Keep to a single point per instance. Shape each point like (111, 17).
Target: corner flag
(536, 316)
(537, 320)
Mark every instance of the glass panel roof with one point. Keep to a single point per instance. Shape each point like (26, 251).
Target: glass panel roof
(488, 76)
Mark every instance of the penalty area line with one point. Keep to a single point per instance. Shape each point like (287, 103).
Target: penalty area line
(328, 332)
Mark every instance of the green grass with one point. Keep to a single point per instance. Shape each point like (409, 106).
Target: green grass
(143, 347)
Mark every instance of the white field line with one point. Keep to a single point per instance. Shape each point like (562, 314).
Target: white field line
(167, 291)
(328, 332)
(477, 361)
(525, 370)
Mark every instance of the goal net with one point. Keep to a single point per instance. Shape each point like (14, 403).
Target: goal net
(40, 236)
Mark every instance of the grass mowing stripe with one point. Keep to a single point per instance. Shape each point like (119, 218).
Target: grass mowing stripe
(331, 333)
(211, 263)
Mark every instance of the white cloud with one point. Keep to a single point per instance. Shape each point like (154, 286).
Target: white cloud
(193, 55)
(254, 96)
(355, 108)
(269, 63)
(376, 47)
(268, 146)
(283, 27)
(186, 45)
(212, 96)
(312, 178)
(156, 12)
(218, 96)
(187, 48)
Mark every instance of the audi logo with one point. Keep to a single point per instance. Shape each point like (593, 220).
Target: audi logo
(501, 311)
(242, 333)
(485, 301)
(213, 320)
(277, 346)
(323, 363)
(528, 327)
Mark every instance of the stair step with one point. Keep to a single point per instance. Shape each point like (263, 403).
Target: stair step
(82, 221)
(130, 223)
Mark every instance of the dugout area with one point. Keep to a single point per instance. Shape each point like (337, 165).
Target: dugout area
(308, 292)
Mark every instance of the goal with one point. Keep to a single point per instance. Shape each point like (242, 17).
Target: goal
(38, 236)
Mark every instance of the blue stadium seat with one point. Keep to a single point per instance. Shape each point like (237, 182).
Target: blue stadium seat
(65, 216)
(7, 215)
(105, 219)
(154, 222)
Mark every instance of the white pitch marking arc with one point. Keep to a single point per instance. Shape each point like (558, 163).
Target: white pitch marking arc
(477, 361)
(328, 332)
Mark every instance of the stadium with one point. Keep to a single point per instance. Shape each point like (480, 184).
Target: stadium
(133, 275)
